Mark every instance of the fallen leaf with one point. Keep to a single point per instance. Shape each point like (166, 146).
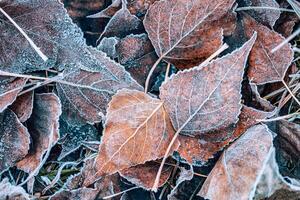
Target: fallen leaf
(186, 32)
(143, 175)
(207, 99)
(267, 17)
(137, 129)
(234, 176)
(48, 25)
(109, 11)
(14, 140)
(10, 87)
(121, 24)
(12, 192)
(198, 151)
(287, 145)
(86, 96)
(43, 128)
(74, 136)
(23, 106)
(265, 66)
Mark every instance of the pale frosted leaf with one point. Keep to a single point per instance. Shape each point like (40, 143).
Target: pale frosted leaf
(43, 128)
(12, 192)
(137, 129)
(48, 25)
(86, 100)
(266, 66)
(186, 32)
(207, 99)
(235, 174)
(23, 106)
(9, 89)
(108, 46)
(267, 17)
(14, 140)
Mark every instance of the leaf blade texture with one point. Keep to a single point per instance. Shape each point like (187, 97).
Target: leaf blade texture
(137, 130)
(236, 171)
(186, 32)
(265, 66)
(207, 99)
(43, 130)
(14, 138)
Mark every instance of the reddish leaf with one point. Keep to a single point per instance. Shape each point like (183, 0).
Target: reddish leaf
(10, 87)
(47, 23)
(207, 99)
(23, 106)
(266, 66)
(11, 192)
(121, 24)
(234, 176)
(144, 175)
(43, 128)
(185, 32)
(137, 129)
(87, 96)
(267, 17)
(198, 150)
(14, 140)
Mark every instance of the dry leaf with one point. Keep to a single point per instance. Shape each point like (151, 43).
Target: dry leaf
(14, 140)
(137, 129)
(11, 192)
(109, 11)
(265, 66)
(87, 97)
(121, 24)
(74, 136)
(9, 89)
(186, 32)
(23, 106)
(234, 176)
(43, 128)
(144, 175)
(48, 25)
(108, 46)
(202, 100)
(197, 151)
(268, 17)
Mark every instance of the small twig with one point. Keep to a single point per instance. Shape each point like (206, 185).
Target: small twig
(278, 118)
(38, 51)
(263, 8)
(287, 40)
(215, 54)
(151, 72)
(167, 72)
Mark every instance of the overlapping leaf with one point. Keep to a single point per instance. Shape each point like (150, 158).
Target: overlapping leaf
(234, 176)
(14, 140)
(137, 129)
(10, 87)
(43, 130)
(207, 99)
(11, 192)
(185, 32)
(266, 66)
(23, 106)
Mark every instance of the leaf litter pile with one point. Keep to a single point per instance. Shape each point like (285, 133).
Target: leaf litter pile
(149, 99)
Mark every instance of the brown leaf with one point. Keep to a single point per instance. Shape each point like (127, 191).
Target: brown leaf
(234, 176)
(14, 140)
(87, 97)
(197, 151)
(48, 25)
(137, 129)
(11, 192)
(144, 175)
(207, 99)
(266, 17)
(10, 87)
(121, 24)
(185, 32)
(23, 106)
(43, 128)
(266, 66)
